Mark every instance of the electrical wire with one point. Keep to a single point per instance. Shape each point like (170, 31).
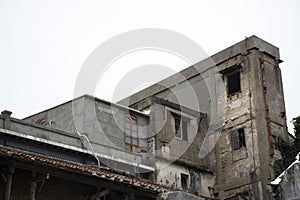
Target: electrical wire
(88, 141)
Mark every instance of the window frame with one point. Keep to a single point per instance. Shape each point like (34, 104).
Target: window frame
(238, 139)
(275, 141)
(229, 85)
(226, 73)
(131, 125)
(182, 127)
(184, 178)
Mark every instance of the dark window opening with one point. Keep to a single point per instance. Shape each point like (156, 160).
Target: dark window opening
(274, 141)
(181, 127)
(131, 130)
(184, 181)
(238, 139)
(177, 127)
(185, 129)
(233, 83)
(145, 176)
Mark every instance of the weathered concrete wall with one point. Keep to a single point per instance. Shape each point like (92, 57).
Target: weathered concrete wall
(258, 109)
(27, 129)
(171, 147)
(109, 123)
(103, 124)
(290, 183)
(235, 167)
(61, 116)
(169, 174)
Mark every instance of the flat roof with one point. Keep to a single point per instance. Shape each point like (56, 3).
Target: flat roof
(96, 99)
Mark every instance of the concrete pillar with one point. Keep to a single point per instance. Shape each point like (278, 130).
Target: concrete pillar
(6, 115)
(9, 182)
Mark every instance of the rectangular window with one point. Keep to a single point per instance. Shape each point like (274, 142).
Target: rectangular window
(181, 127)
(131, 130)
(233, 83)
(184, 181)
(238, 139)
(145, 176)
(177, 127)
(274, 141)
(185, 129)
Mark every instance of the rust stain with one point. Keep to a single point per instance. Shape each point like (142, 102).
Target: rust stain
(268, 119)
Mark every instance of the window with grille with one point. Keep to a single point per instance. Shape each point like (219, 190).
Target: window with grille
(131, 130)
(238, 139)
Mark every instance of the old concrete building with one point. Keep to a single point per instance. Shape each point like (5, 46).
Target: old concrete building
(210, 130)
(40, 162)
(246, 116)
(101, 125)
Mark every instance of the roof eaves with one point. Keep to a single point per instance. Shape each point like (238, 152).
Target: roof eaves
(102, 173)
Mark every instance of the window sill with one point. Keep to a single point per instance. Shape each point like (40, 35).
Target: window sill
(239, 154)
(180, 139)
(234, 96)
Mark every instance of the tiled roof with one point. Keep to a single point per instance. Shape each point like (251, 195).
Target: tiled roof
(101, 173)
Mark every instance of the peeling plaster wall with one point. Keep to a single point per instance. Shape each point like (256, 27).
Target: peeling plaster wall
(234, 168)
(171, 147)
(240, 167)
(198, 181)
(250, 110)
(290, 184)
(251, 165)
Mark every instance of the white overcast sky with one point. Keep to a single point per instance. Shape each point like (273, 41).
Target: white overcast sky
(43, 44)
